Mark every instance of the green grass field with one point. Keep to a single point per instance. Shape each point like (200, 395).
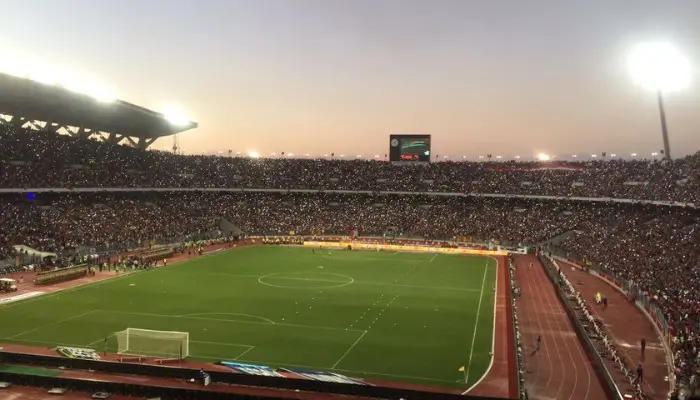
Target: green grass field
(390, 316)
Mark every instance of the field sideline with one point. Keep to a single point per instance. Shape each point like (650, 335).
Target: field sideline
(408, 317)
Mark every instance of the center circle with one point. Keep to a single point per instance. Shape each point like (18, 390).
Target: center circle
(306, 280)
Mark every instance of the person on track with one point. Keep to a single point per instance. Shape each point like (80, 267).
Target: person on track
(537, 345)
(640, 373)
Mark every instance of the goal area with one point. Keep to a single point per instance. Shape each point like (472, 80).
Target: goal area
(151, 343)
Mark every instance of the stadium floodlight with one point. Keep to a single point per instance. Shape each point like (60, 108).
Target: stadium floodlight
(12, 66)
(660, 67)
(543, 157)
(176, 116)
(102, 94)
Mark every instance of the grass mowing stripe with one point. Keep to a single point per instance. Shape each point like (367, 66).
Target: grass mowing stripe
(117, 277)
(421, 339)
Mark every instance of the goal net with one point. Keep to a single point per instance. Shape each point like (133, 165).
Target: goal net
(150, 343)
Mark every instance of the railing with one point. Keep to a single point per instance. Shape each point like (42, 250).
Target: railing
(519, 364)
(311, 191)
(599, 367)
(652, 310)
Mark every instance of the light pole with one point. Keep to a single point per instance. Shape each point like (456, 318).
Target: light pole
(664, 127)
(660, 67)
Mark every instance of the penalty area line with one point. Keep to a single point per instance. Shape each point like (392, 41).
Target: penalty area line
(349, 350)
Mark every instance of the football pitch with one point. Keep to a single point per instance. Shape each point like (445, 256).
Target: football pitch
(391, 316)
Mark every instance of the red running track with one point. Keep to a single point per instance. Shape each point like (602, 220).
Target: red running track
(560, 370)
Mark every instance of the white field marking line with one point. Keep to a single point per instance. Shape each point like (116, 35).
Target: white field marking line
(493, 333)
(326, 328)
(531, 295)
(246, 351)
(51, 324)
(349, 350)
(355, 282)
(433, 257)
(359, 374)
(89, 345)
(269, 321)
(476, 324)
(538, 269)
(249, 347)
(116, 277)
(387, 259)
(53, 344)
(222, 344)
(339, 284)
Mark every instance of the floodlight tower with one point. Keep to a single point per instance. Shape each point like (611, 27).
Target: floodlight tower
(662, 68)
(176, 144)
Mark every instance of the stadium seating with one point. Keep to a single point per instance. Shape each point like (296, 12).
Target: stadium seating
(656, 246)
(38, 159)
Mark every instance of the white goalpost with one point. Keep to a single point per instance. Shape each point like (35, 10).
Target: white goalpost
(150, 343)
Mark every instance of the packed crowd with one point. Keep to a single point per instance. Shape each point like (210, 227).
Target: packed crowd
(39, 159)
(56, 222)
(656, 254)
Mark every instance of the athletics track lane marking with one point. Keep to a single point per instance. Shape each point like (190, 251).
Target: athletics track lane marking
(520, 270)
(554, 335)
(543, 281)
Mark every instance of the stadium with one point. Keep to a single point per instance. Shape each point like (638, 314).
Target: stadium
(134, 273)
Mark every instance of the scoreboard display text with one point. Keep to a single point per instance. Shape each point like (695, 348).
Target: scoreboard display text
(412, 148)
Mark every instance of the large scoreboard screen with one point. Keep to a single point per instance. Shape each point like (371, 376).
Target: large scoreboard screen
(412, 148)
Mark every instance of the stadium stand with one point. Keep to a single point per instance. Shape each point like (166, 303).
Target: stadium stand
(78, 163)
(656, 245)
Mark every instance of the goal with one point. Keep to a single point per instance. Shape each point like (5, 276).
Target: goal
(150, 343)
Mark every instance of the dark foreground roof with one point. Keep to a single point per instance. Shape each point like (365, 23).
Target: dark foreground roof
(32, 100)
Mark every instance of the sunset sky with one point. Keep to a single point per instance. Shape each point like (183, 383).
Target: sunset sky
(318, 76)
